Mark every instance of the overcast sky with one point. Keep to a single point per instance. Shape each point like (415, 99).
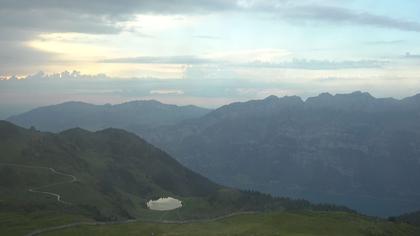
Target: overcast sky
(206, 52)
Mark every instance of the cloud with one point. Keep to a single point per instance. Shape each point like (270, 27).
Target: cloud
(46, 89)
(22, 21)
(94, 16)
(248, 55)
(409, 55)
(12, 53)
(57, 20)
(17, 58)
(340, 15)
(385, 42)
(264, 92)
(262, 59)
(190, 60)
(319, 64)
(112, 7)
(105, 16)
(209, 37)
(167, 92)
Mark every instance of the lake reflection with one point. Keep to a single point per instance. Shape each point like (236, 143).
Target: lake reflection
(164, 204)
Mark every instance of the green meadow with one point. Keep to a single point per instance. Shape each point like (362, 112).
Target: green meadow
(304, 223)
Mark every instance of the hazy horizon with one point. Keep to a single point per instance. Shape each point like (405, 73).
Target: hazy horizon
(244, 117)
(206, 53)
(8, 111)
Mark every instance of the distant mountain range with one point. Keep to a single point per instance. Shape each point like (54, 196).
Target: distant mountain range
(350, 149)
(134, 116)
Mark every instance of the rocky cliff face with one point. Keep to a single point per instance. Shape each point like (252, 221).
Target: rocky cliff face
(350, 149)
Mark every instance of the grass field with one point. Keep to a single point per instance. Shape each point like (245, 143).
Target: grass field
(283, 223)
(18, 224)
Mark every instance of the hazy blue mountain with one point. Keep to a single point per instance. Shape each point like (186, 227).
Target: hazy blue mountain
(134, 116)
(350, 149)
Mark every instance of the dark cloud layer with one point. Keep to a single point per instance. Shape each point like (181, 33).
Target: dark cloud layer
(112, 7)
(96, 16)
(22, 20)
(338, 15)
(93, 16)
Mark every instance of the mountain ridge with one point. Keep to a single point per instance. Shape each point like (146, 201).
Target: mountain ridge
(134, 115)
(338, 139)
(114, 173)
(327, 145)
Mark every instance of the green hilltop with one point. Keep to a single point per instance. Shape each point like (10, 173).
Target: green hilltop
(51, 179)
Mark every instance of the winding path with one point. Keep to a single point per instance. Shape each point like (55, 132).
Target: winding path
(98, 223)
(36, 189)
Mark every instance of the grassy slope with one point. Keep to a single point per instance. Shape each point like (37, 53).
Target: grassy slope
(116, 158)
(20, 223)
(117, 174)
(285, 223)
(411, 218)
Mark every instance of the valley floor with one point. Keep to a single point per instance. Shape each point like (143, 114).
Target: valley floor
(281, 223)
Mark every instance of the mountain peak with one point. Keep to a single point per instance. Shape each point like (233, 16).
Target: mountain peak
(283, 100)
(75, 131)
(292, 98)
(355, 100)
(142, 102)
(325, 95)
(359, 94)
(271, 98)
(73, 103)
(138, 115)
(355, 94)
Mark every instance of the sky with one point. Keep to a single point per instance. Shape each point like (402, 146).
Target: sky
(204, 52)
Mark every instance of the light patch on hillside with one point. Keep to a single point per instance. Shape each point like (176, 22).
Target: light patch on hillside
(164, 204)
